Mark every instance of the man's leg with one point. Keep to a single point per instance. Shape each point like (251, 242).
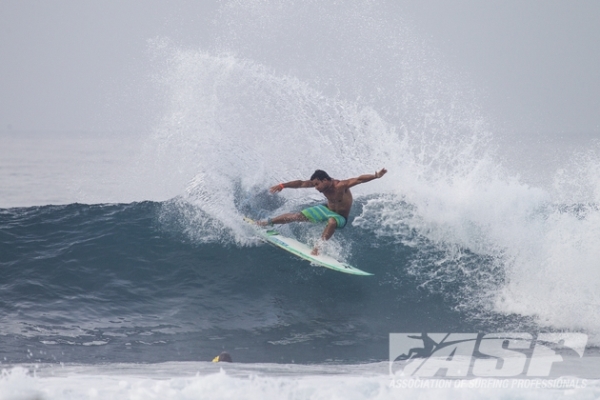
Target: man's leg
(327, 233)
(284, 219)
(329, 229)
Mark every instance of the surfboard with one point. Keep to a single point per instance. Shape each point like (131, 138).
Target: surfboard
(299, 249)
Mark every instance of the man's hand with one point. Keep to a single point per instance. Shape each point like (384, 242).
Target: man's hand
(381, 173)
(276, 188)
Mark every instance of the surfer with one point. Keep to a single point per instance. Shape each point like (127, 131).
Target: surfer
(223, 357)
(339, 202)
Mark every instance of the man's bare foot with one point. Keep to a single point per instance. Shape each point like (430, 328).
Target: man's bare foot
(318, 245)
(264, 223)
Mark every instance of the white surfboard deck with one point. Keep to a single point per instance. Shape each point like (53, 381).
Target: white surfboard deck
(301, 250)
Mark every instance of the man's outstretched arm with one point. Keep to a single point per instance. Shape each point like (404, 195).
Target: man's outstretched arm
(291, 185)
(363, 178)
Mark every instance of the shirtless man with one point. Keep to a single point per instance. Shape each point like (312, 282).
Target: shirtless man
(339, 202)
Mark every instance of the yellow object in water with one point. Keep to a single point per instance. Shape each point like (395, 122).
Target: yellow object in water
(223, 357)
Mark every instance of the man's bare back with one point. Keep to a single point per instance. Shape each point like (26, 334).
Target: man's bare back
(339, 201)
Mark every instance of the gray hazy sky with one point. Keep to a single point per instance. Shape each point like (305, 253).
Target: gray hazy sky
(69, 65)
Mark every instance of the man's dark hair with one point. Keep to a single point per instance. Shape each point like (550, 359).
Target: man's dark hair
(320, 175)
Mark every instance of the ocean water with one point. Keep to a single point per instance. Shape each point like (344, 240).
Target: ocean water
(126, 266)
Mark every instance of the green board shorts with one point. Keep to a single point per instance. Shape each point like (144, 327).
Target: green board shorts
(321, 213)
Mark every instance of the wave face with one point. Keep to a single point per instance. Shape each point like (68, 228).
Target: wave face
(126, 283)
(119, 283)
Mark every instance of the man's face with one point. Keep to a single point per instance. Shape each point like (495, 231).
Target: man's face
(321, 185)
